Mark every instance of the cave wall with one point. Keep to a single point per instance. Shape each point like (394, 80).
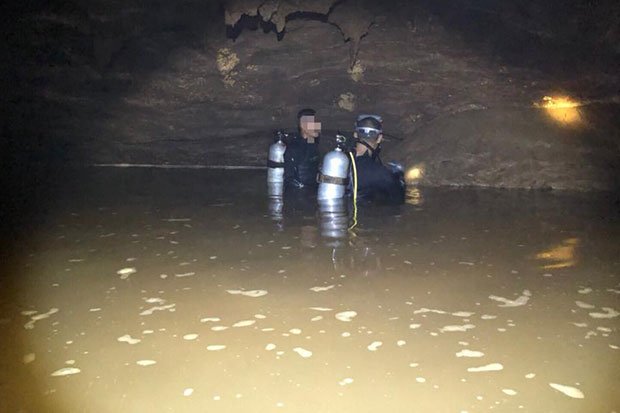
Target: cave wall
(194, 82)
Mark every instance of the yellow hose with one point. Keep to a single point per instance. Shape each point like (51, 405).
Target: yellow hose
(354, 191)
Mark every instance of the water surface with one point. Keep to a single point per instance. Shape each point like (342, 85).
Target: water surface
(190, 291)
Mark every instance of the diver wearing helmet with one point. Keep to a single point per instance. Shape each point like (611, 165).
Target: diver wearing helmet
(301, 159)
(375, 180)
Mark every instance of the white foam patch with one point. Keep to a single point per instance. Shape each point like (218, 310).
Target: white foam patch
(346, 334)
(509, 392)
(568, 390)
(488, 367)
(414, 326)
(469, 353)
(244, 323)
(346, 316)
(463, 314)
(190, 337)
(317, 318)
(456, 328)
(185, 274)
(216, 347)
(295, 331)
(614, 347)
(428, 310)
(530, 375)
(303, 352)
(488, 317)
(155, 300)
(324, 309)
(581, 325)
(188, 392)
(210, 319)
(219, 328)
(346, 381)
(126, 272)
(66, 371)
(520, 301)
(128, 339)
(94, 309)
(249, 293)
(584, 290)
(260, 316)
(374, 346)
(607, 313)
(420, 379)
(38, 317)
(145, 363)
(150, 311)
(581, 304)
(270, 347)
(320, 289)
(401, 343)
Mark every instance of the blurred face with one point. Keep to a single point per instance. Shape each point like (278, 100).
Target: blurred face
(310, 128)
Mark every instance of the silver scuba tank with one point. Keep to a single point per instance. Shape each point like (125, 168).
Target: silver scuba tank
(275, 163)
(333, 176)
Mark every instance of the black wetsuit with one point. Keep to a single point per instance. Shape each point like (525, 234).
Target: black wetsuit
(301, 162)
(376, 181)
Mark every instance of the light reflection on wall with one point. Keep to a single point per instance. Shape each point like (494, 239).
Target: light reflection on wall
(562, 109)
(559, 256)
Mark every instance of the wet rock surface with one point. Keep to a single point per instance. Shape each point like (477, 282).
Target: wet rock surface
(160, 83)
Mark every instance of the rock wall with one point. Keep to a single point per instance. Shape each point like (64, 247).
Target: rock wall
(194, 82)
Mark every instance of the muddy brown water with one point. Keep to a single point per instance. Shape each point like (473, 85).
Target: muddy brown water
(145, 290)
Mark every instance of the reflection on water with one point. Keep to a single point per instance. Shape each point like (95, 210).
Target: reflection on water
(275, 193)
(151, 291)
(560, 256)
(413, 196)
(334, 217)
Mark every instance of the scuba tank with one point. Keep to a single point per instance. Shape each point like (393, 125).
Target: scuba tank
(333, 175)
(275, 163)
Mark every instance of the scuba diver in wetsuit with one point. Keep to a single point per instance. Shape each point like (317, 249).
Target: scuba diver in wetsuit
(375, 180)
(301, 159)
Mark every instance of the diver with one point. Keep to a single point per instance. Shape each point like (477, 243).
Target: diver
(375, 180)
(301, 159)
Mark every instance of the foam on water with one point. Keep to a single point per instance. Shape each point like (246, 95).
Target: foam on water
(249, 293)
(608, 312)
(128, 339)
(568, 390)
(374, 346)
(456, 328)
(303, 352)
(346, 316)
(520, 301)
(216, 347)
(320, 289)
(469, 353)
(66, 371)
(487, 367)
(145, 363)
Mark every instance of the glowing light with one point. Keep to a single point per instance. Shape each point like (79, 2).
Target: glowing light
(414, 173)
(561, 255)
(561, 109)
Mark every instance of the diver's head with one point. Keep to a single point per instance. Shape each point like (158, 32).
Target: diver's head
(309, 128)
(368, 132)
